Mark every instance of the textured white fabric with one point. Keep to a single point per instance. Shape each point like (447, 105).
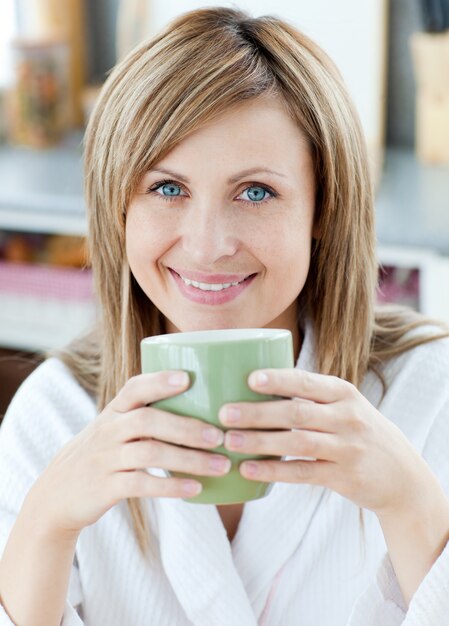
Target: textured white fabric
(4, 619)
(297, 559)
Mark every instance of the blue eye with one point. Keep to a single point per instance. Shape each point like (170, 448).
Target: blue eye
(256, 194)
(170, 189)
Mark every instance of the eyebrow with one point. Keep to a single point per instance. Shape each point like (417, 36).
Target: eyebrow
(232, 179)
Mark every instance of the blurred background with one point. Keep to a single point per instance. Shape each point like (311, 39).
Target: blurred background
(54, 57)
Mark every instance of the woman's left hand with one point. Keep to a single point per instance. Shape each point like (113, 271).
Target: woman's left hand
(358, 452)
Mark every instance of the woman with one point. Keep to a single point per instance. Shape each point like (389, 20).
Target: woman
(226, 150)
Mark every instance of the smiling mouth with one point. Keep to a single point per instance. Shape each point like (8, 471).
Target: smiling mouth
(203, 286)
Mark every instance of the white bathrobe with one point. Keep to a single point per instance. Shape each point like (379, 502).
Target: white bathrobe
(298, 558)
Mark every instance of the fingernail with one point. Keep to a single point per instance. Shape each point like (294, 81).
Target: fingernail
(230, 415)
(178, 379)
(258, 379)
(220, 464)
(236, 440)
(250, 468)
(212, 435)
(191, 488)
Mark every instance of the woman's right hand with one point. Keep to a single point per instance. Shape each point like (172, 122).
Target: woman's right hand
(106, 461)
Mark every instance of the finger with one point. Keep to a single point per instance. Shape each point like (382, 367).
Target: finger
(143, 389)
(153, 453)
(292, 413)
(300, 383)
(140, 484)
(302, 443)
(150, 422)
(310, 472)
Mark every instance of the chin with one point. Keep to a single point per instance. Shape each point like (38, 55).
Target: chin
(197, 324)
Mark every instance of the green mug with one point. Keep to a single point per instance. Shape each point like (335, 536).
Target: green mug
(219, 363)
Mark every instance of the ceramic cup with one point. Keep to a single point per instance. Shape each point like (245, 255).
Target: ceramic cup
(219, 363)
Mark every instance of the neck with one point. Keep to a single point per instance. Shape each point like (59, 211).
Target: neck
(297, 342)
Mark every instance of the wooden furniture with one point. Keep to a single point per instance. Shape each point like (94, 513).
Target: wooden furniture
(430, 53)
(15, 366)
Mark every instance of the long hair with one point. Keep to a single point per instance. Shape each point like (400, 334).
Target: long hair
(200, 65)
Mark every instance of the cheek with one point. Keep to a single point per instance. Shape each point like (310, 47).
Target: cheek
(145, 241)
(135, 245)
(288, 245)
(287, 258)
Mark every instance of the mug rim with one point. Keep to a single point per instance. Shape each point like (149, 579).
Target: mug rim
(216, 336)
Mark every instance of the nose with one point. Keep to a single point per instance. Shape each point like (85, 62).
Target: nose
(208, 235)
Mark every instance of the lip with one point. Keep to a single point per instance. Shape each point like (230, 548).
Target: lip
(201, 277)
(210, 297)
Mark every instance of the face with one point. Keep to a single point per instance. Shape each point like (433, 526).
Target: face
(219, 232)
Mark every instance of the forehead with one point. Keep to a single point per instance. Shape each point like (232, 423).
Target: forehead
(256, 130)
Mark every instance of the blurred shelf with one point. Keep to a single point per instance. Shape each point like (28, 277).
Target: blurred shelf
(42, 190)
(412, 203)
(433, 272)
(43, 306)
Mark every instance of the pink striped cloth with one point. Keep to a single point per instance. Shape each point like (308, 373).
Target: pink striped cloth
(44, 281)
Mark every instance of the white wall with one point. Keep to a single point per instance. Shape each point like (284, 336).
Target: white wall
(8, 28)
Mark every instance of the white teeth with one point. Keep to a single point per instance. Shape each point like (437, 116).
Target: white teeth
(209, 286)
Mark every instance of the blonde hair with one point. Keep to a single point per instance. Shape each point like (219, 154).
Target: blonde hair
(201, 64)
